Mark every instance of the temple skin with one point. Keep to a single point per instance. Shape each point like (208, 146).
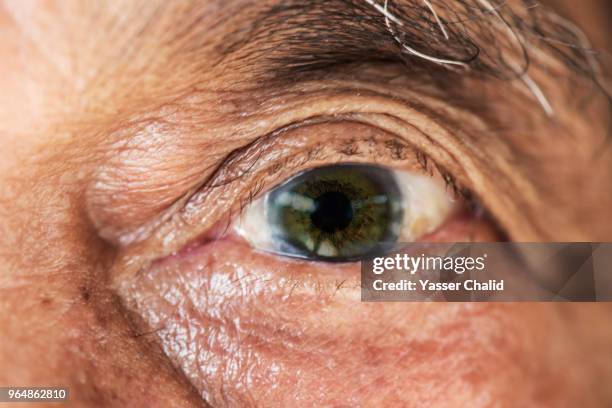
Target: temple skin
(110, 122)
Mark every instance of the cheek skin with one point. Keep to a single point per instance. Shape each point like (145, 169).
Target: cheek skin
(253, 329)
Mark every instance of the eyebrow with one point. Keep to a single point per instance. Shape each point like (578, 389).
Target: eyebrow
(294, 38)
(302, 35)
(299, 36)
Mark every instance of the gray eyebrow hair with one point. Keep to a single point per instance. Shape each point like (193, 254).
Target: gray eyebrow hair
(480, 38)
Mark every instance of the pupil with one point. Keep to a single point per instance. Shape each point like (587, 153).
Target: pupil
(333, 212)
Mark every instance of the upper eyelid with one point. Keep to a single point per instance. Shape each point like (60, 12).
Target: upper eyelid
(224, 177)
(241, 161)
(429, 109)
(342, 103)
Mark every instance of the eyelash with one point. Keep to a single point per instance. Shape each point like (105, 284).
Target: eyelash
(427, 165)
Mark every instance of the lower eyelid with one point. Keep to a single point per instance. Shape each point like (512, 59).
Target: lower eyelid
(191, 300)
(223, 299)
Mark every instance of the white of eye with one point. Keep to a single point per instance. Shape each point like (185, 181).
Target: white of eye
(425, 203)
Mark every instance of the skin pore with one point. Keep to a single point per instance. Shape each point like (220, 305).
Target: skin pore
(133, 134)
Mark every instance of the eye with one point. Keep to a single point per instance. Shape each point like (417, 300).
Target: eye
(345, 212)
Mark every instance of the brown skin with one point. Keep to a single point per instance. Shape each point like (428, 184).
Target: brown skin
(107, 131)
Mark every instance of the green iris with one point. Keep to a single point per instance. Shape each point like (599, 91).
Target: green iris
(338, 213)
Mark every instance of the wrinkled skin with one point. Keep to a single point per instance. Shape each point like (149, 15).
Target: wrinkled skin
(120, 280)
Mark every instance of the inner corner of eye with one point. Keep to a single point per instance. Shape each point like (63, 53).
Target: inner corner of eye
(345, 212)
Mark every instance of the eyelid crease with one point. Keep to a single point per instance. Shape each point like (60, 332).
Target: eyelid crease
(241, 161)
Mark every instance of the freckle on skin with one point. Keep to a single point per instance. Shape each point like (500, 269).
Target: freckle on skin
(85, 294)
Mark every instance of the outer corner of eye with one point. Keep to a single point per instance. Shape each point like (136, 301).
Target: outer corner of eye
(344, 212)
